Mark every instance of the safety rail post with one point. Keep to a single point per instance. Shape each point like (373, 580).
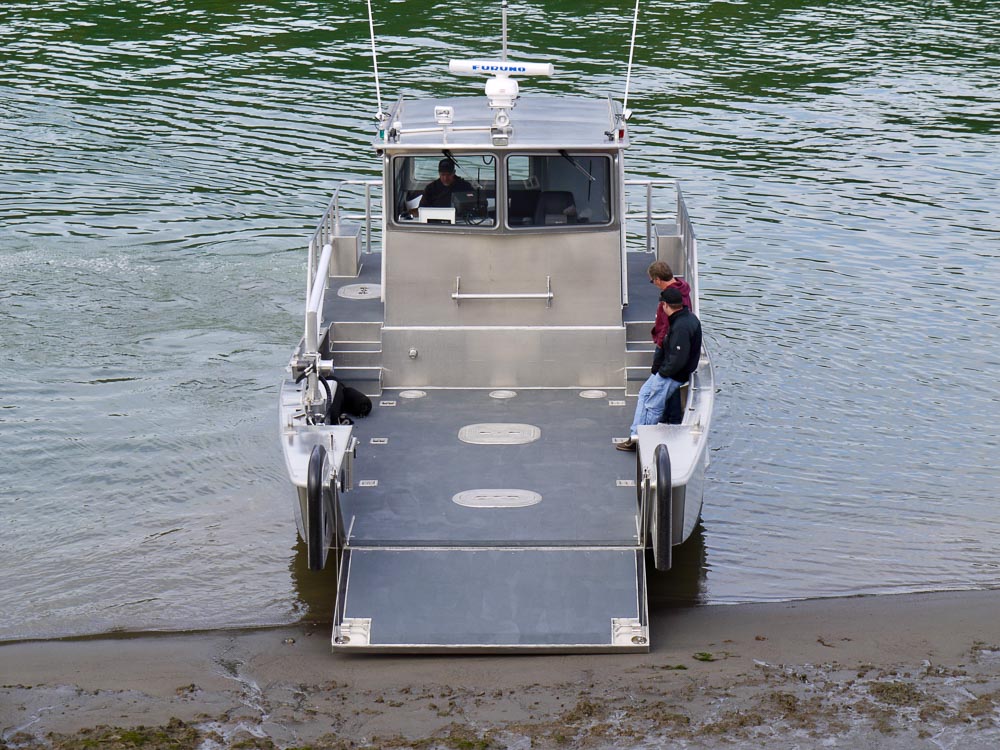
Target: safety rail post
(368, 217)
(649, 216)
(314, 304)
(310, 267)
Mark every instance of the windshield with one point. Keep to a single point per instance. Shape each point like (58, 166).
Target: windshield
(445, 189)
(558, 189)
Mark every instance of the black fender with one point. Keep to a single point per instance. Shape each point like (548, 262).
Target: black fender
(638, 477)
(662, 511)
(318, 510)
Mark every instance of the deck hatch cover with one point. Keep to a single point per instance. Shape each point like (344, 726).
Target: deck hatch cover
(499, 433)
(360, 291)
(496, 498)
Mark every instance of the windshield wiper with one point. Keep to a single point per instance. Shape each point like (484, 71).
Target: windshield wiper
(565, 155)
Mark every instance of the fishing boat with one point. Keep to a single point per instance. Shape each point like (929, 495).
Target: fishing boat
(501, 334)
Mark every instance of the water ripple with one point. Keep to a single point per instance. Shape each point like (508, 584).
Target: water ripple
(165, 162)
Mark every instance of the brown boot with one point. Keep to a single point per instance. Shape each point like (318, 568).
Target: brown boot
(627, 445)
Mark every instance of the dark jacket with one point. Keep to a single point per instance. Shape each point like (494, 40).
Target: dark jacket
(662, 324)
(438, 195)
(682, 347)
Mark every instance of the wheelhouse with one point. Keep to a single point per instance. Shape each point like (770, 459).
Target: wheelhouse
(511, 275)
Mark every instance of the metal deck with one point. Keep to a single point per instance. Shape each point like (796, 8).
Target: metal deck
(570, 599)
(412, 448)
(522, 537)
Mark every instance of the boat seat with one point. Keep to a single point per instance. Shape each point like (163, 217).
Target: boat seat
(521, 206)
(555, 207)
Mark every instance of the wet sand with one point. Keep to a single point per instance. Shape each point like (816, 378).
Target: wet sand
(909, 671)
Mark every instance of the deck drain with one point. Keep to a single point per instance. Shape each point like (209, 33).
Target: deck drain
(499, 433)
(503, 394)
(593, 394)
(360, 291)
(497, 498)
(412, 394)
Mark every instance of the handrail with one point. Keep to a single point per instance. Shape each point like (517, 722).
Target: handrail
(329, 223)
(689, 243)
(323, 238)
(314, 303)
(648, 216)
(458, 295)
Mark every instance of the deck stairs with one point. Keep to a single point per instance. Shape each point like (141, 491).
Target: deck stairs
(357, 355)
(638, 354)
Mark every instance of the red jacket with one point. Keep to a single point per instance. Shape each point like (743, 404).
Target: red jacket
(662, 325)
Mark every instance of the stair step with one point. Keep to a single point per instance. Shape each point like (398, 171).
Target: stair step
(368, 359)
(349, 373)
(356, 331)
(370, 387)
(638, 358)
(634, 378)
(638, 330)
(356, 346)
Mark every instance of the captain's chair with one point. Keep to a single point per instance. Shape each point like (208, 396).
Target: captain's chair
(555, 207)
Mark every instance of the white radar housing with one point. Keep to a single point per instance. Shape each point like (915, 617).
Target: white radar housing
(501, 92)
(500, 68)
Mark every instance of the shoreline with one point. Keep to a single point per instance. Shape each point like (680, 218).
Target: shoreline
(907, 670)
(663, 609)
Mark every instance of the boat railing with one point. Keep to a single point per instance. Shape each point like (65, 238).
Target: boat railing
(315, 296)
(649, 217)
(353, 191)
(322, 243)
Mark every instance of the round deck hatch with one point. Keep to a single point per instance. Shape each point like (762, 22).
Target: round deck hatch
(593, 394)
(499, 433)
(497, 498)
(412, 394)
(360, 291)
(503, 394)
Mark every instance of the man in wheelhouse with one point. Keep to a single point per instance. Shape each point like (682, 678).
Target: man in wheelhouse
(437, 194)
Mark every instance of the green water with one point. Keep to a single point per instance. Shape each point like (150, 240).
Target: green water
(165, 162)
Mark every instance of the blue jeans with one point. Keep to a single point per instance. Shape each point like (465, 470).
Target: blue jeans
(652, 400)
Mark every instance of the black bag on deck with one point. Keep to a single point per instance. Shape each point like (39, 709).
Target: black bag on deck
(355, 402)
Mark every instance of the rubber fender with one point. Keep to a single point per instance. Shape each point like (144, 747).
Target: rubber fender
(662, 511)
(316, 522)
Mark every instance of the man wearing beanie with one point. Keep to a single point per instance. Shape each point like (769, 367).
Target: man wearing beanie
(681, 352)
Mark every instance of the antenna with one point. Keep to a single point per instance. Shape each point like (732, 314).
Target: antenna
(503, 54)
(380, 115)
(501, 88)
(631, 49)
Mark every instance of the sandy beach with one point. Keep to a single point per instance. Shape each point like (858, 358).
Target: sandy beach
(910, 671)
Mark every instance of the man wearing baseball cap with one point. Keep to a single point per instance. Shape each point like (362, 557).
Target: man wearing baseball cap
(681, 352)
(437, 194)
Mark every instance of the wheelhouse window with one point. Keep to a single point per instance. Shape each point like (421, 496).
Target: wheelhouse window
(445, 190)
(558, 189)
